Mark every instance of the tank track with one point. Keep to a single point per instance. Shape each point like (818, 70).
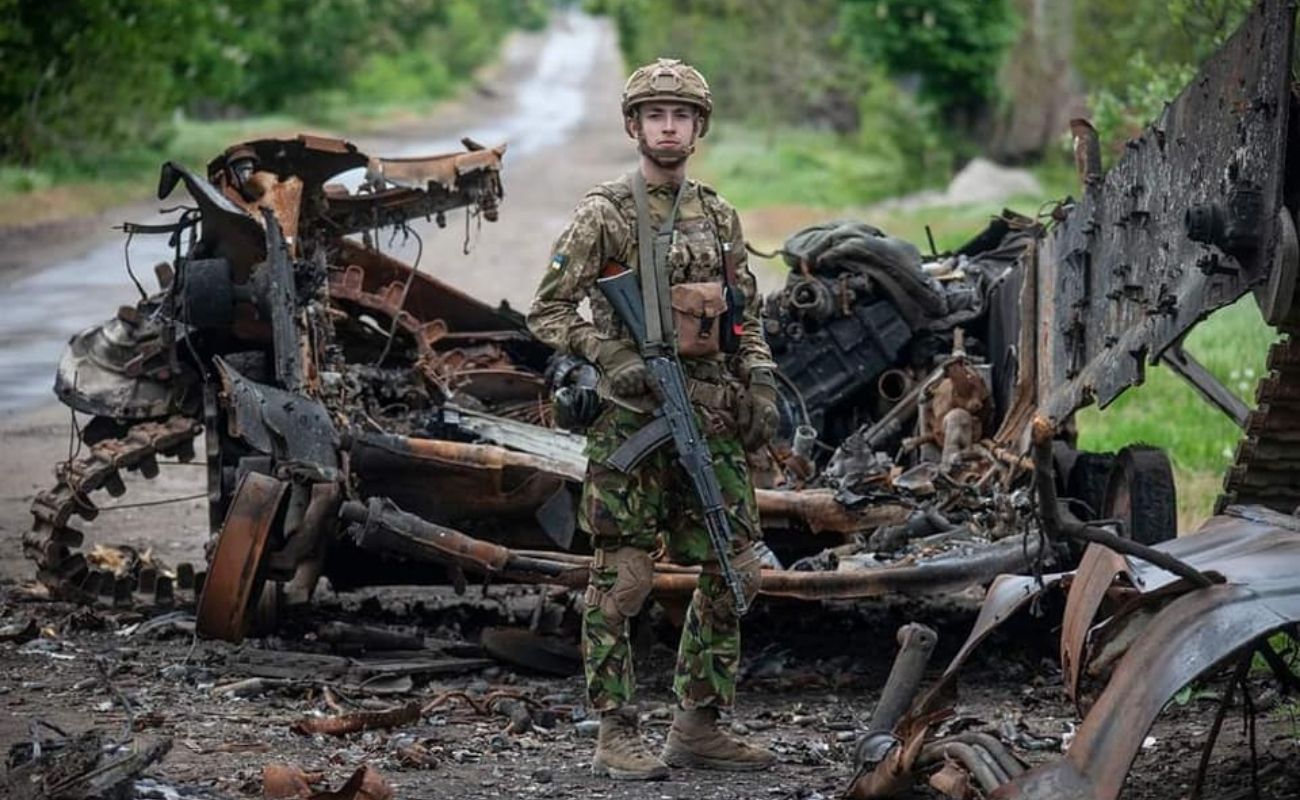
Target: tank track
(1266, 466)
(54, 544)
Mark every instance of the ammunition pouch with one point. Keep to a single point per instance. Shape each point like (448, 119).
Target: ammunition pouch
(699, 314)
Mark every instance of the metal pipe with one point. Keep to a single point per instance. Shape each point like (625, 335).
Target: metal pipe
(893, 384)
(984, 770)
(1057, 524)
(916, 642)
(995, 748)
(386, 528)
(820, 511)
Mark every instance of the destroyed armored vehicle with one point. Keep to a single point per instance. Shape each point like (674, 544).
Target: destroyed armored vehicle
(1200, 210)
(366, 422)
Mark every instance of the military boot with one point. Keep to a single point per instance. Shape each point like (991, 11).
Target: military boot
(696, 740)
(620, 752)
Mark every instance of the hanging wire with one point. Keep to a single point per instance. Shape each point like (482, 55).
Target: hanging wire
(406, 287)
(147, 503)
(126, 253)
(74, 431)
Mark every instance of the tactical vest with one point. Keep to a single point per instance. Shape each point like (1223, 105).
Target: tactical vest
(695, 256)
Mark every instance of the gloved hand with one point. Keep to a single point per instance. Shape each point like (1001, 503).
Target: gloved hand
(756, 414)
(623, 367)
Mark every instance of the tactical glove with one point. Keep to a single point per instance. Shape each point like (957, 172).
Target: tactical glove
(757, 415)
(623, 368)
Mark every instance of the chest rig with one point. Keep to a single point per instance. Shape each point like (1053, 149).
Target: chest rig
(688, 279)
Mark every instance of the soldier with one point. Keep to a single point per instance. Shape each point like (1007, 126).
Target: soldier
(666, 106)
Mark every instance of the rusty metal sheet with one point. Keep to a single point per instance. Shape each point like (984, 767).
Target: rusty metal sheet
(428, 298)
(236, 573)
(1245, 545)
(1096, 574)
(1004, 598)
(314, 159)
(1122, 277)
(443, 170)
(1188, 638)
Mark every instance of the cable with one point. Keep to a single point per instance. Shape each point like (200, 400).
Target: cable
(126, 252)
(401, 304)
(145, 503)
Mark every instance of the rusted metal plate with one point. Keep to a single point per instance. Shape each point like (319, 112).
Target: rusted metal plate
(1196, 632)
(235, 576)
(444, 170)
(1123, 276)
(1094, 578)
(427, 299)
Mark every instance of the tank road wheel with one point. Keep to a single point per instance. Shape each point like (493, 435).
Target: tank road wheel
(1140, 492)
(238, 566)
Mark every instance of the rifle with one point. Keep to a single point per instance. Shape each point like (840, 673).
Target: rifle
(674, 419)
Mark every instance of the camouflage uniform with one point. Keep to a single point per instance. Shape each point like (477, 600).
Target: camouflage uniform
(627, 514)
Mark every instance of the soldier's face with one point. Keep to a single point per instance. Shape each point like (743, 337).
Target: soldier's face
(666, 131)
(668, 124)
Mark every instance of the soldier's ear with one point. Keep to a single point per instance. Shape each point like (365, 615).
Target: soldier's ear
(632, 124)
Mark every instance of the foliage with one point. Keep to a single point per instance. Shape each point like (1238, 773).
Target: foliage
(1135, 57)
(1121, 115)
(954, 47)
(83, 78)
(776, 166)
(766, 60)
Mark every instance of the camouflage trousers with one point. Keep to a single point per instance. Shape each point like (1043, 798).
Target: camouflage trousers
(632, 515)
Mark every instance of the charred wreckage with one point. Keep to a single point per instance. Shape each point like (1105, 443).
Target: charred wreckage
(368, 423)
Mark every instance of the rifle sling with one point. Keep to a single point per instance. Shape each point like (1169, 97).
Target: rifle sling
(652, 262)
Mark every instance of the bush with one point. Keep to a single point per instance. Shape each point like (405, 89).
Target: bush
(86, 80)
(953, 47)
(1121, 115)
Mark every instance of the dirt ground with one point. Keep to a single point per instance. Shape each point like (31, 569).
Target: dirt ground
(810, 677)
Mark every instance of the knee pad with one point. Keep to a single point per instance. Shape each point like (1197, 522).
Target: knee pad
(634, 571)
(748, 569)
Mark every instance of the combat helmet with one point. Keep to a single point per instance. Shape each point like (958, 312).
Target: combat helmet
(669, 79)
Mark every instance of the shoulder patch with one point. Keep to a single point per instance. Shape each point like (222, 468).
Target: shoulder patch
(558, 262)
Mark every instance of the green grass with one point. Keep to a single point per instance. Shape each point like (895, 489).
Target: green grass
(754, 167)
(1164, 410)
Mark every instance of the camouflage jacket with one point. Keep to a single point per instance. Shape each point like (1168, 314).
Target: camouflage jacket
(604, 228)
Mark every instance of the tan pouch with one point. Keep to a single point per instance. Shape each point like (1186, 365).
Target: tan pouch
(698, 310)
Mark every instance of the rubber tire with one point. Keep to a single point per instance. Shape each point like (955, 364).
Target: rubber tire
(1140, 491)
(1089, 476)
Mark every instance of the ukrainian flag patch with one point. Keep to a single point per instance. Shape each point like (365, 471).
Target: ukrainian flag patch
(558, 262)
